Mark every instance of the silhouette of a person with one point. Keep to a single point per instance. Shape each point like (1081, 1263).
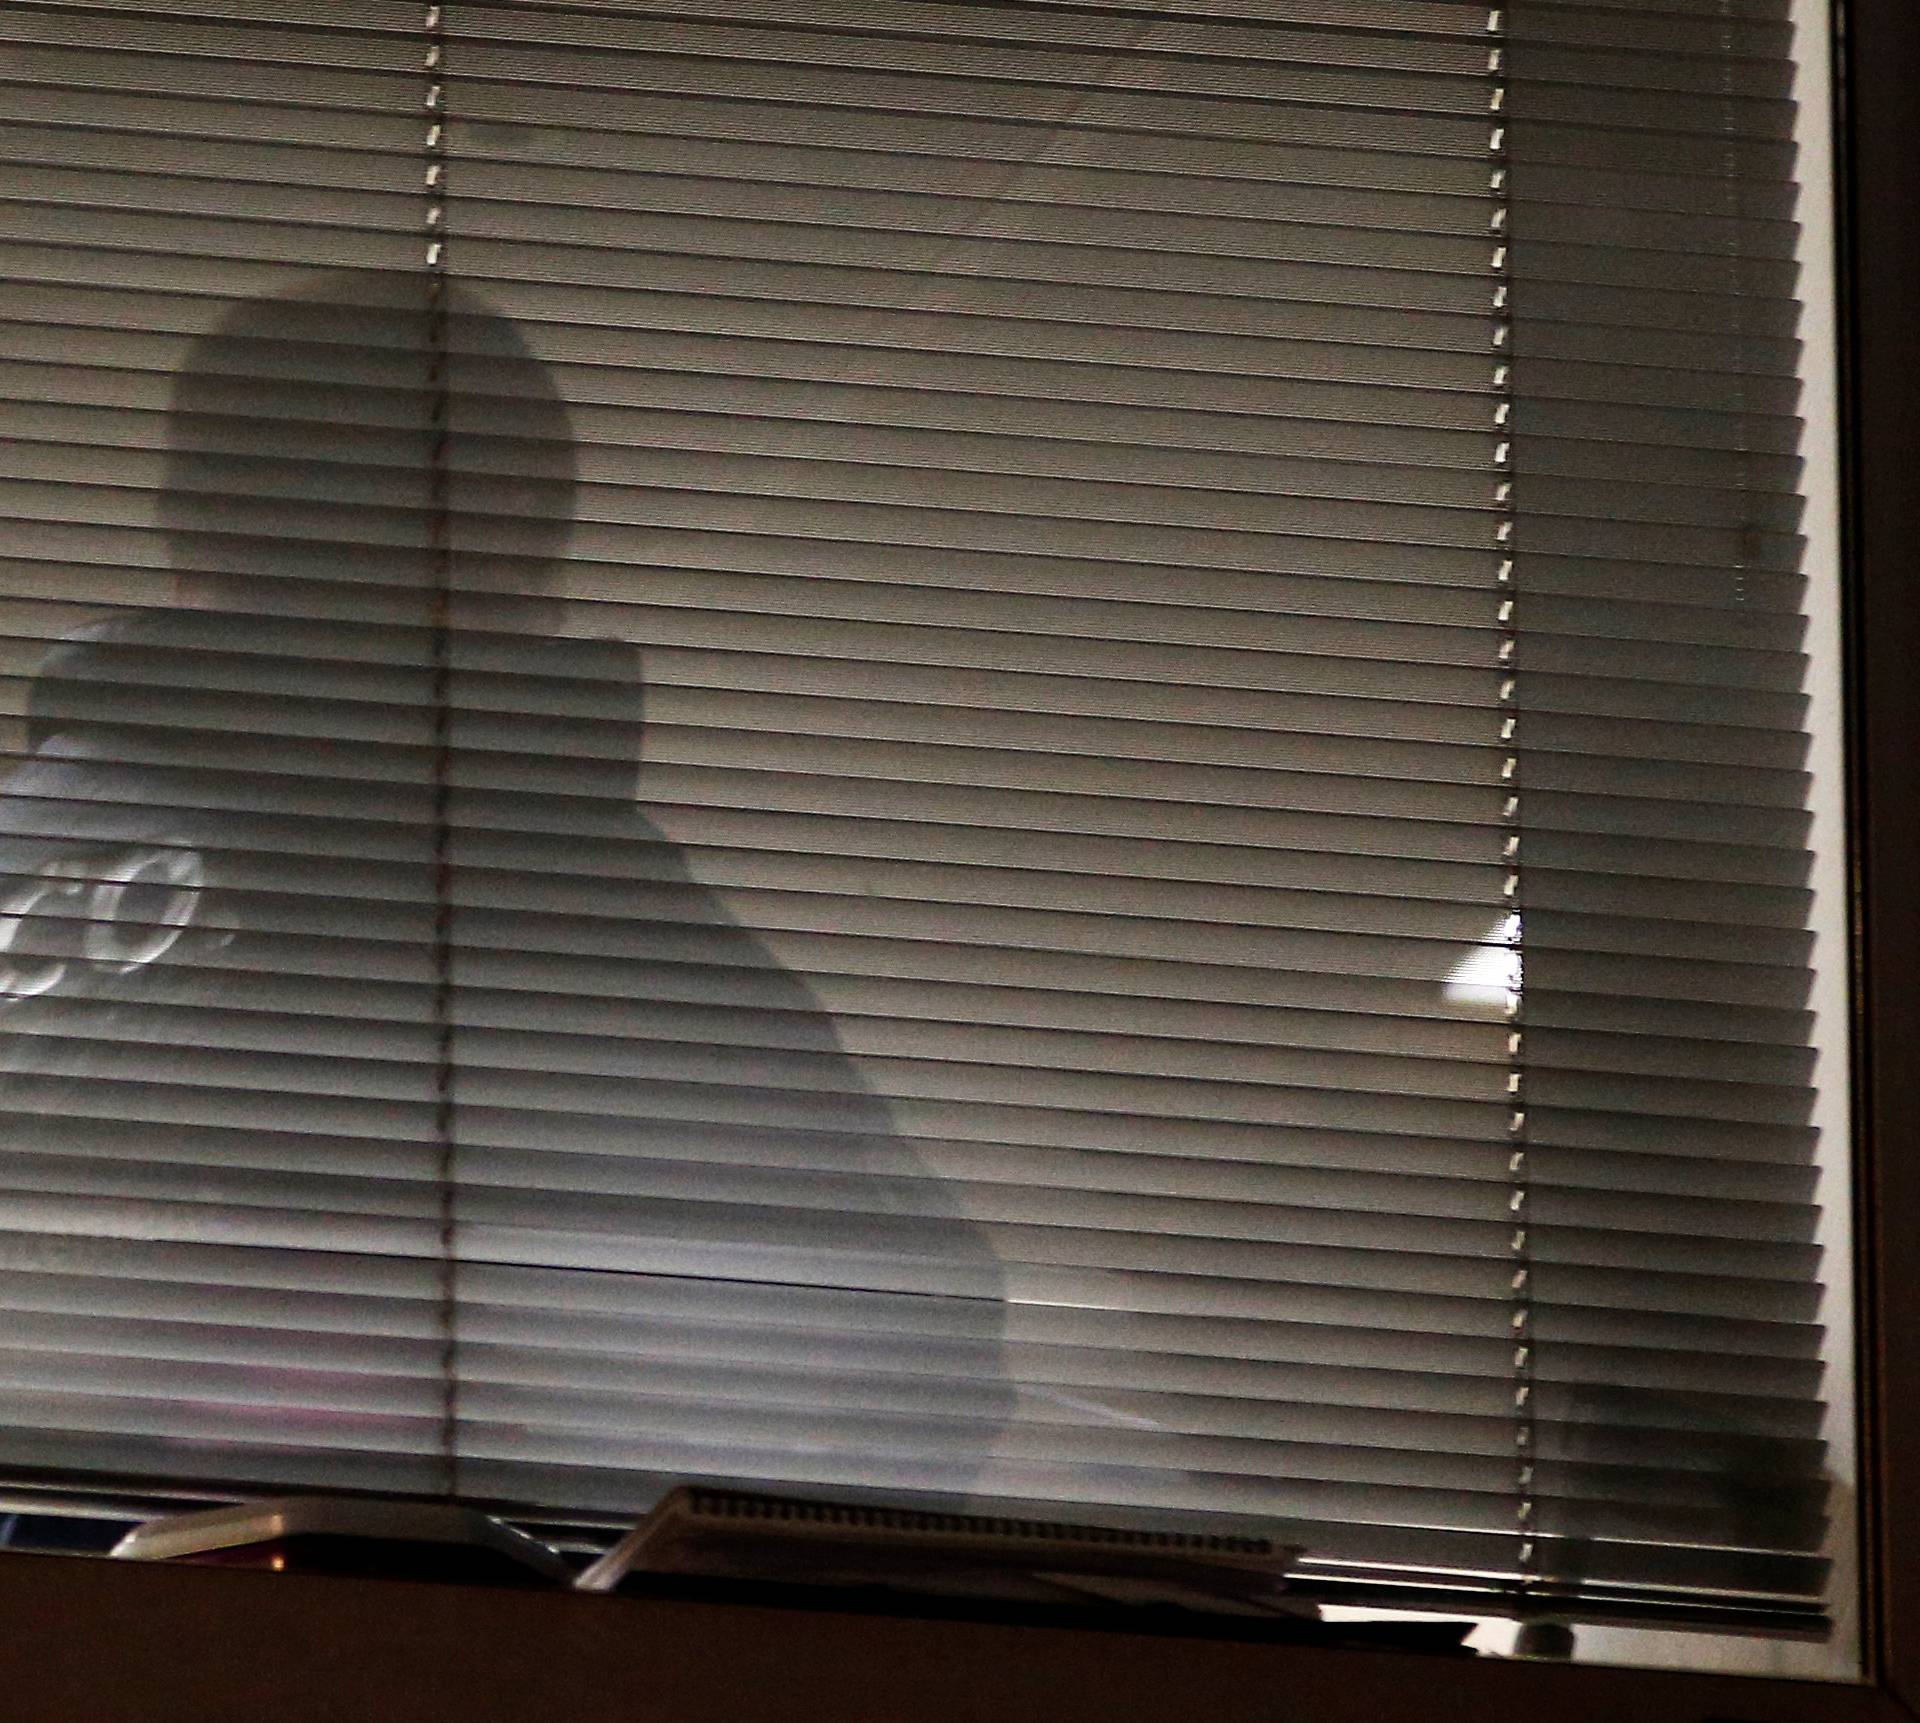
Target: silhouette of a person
(297, 923)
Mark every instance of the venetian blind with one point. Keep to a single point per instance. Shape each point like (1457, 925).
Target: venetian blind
(1049, 753)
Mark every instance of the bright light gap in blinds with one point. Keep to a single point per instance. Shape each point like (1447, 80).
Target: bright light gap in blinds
(1006, 529)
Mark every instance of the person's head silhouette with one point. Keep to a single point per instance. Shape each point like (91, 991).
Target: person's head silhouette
(307, 473)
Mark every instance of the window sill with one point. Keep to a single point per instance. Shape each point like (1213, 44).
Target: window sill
(106, 1641)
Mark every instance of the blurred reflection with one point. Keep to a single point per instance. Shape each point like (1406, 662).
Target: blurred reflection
(688, 1241)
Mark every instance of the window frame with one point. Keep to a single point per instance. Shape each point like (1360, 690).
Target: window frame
(103, 1640)
(1879, 122)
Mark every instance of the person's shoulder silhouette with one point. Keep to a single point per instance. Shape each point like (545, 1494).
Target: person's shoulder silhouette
(344, 854)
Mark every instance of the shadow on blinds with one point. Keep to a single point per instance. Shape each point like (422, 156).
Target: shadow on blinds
(1662, 955)
(329, 887)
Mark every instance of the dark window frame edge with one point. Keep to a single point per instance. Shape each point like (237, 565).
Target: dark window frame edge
(1879, 126)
